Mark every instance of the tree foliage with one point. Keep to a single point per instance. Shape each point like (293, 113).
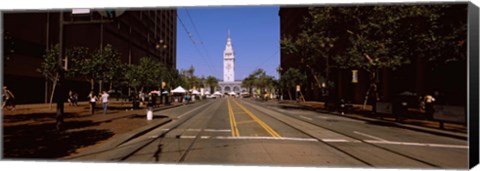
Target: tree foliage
(377, 37)
(290, 79)
(211, 82)
(258, 79)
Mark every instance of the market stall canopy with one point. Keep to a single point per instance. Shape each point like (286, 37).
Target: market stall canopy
(217, 93)
(195, 92)
(207, 93)
(233, 93)
(165, 92)
(179, 89)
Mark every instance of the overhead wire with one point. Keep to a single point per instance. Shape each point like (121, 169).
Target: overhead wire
(195, 44)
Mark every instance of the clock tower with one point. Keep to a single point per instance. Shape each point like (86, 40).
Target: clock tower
(228, 61)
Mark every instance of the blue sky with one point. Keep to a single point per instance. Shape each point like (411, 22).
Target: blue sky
(255, 33)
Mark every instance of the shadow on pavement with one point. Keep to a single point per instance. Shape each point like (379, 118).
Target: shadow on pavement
(36, 117)
(42, 141)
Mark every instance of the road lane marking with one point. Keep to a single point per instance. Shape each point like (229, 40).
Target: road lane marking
(304, 117)
(260, 122)
(233, 122)
(417, 144)
(323, 117)
(192, 110)
(335, 140)
(325, 140)
(217, 130)
(370, 136)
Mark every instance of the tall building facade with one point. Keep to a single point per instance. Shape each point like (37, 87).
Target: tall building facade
(229, 84)
(134, 34)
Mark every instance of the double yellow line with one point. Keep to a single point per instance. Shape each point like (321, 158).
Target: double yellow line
(255, 118)
(233, 123)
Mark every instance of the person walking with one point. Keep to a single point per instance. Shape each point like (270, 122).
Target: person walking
(70, 98)
(105, 101)
(429, 106)
(75, 99)
(8, 98)
(93, 101)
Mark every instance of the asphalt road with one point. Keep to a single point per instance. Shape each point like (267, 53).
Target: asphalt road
(231, 131)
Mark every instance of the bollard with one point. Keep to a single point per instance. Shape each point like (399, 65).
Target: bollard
(149, 110)
(149, 113)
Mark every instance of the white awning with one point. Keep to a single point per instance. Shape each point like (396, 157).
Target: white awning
(195, 92)
(179, 89)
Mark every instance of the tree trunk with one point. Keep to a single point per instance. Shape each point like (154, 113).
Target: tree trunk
(92, 84)
(111, 85)
(53, 90)
(100, 83)
(289, 90)
(372, 90)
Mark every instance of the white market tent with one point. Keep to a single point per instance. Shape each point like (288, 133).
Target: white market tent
(207, 93)
(233, 93)
(165, 92)
(179, 89)
(195, 92)
(217, 93)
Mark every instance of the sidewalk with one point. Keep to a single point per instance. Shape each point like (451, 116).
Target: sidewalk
(415, 120)
(30, 132)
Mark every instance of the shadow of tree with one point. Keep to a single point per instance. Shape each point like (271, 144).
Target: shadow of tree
(37, 117)
(43, 141)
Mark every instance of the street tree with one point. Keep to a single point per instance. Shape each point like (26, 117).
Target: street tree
(211, 82)
(101, 65)
(290, 79)
(372, 38)
(49, 68)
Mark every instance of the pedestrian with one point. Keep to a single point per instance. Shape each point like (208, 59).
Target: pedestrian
(105, 101)
(75, 98)
(93, 101)
(429, 106)
(342, 107)
(8, 98)
(70, 98)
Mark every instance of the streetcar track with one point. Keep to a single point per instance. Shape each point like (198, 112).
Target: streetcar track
(189, 148)
(163, 132)
(338, 132)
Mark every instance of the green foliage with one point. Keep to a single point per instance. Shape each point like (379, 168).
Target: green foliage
(211, 82)
(103, 64)
(378, 37)
(147, 73)
(291, 78)
(49, 66)
(258, 79)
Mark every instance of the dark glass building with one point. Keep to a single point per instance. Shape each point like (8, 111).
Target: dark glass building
(133, 33)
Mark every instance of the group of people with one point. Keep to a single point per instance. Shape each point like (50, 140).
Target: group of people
(72, 98)
(93, 101)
